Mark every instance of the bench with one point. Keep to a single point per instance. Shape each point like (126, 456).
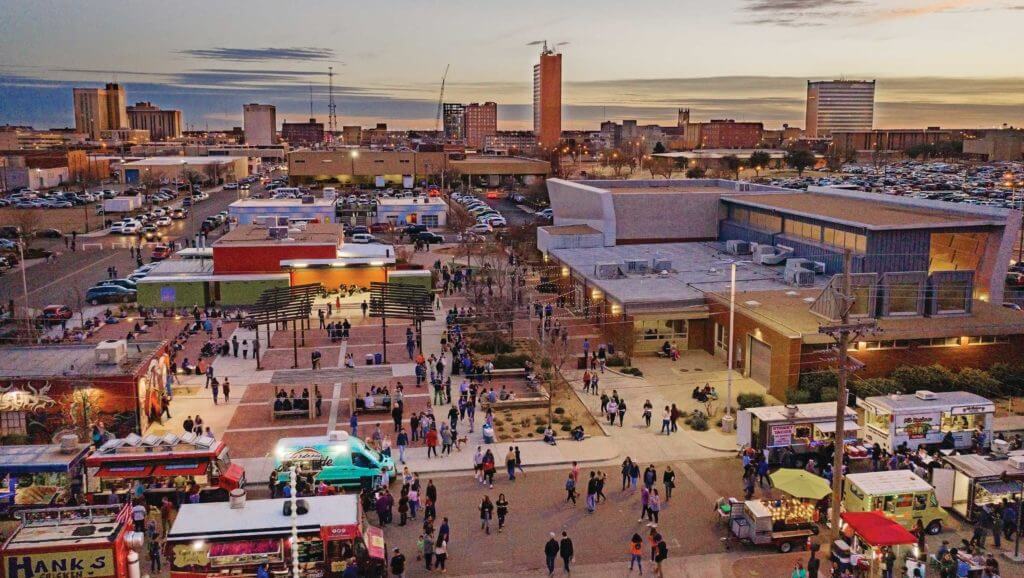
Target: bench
(301, 412)
(381, 404)
(514, 372)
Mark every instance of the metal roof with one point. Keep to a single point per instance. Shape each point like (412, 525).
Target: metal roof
(38, 458)
(978, 466)
(261, 518)
(943, 400)
(889, 482)
(805, 412)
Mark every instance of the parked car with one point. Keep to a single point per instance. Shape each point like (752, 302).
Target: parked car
(428, 237)
(48, 233)
(178, 214)
(109, 294)
(163, 222)
(126, 283)
(380, 227)
(363, 238)
(10, 232)
(357, 230)
(55, 314)
(160, 252)
(545, 214)
(480, 229)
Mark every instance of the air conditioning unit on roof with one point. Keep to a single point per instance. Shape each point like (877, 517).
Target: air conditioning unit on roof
(661, 265)
(638, 266)
(925, 395)
(737, 247)
(606, 270)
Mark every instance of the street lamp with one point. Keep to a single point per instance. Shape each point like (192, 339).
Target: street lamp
(353, 156)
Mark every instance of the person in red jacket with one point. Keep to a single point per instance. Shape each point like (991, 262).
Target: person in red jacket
(432, 442)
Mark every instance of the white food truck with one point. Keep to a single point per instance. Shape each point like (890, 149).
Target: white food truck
(802, 428)
(925, 417)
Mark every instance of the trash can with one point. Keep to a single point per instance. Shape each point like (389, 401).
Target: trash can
(369, 359)
(378, 358)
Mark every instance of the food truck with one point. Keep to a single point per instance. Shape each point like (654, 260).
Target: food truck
(786, 523)
(803, 428)
(900, 494)
(966, 483)
(81, 542)
(925, 418)
(166, 465)
(232, 539)
(40, 476)
(336, 459)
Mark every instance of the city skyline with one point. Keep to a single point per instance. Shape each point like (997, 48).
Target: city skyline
(742, 59)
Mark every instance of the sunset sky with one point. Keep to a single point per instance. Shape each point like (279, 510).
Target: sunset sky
(952, 63)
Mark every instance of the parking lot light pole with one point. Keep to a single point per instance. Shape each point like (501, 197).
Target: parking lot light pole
(24, 285)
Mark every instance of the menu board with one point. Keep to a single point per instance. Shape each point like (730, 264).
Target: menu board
(311, 551)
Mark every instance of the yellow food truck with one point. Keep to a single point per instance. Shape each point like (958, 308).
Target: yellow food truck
(900, 494)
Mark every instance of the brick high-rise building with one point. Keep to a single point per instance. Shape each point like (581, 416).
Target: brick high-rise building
(454, 117)
(99, 109)
(845, 105)
(302, 133)
(161, 124)
(481, 121)
(547, 98)
(260, 122)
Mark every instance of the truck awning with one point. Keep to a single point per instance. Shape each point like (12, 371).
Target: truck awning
(120, 472)
(181, 469)
(830, 426)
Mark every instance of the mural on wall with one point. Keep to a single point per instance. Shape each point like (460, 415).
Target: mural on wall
(55, 408)
(25, 397)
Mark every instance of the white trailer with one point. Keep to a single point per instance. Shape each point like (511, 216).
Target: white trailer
(122, 204)
(926, 418)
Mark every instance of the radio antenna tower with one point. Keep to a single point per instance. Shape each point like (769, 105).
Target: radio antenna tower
(332, 109)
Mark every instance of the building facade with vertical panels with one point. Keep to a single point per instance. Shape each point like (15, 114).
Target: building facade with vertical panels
(453, 114)
(481, 122)
(161, 124)
(302, 133)
(547, 99)
(99, 109)
(260, 124)
(835, 105)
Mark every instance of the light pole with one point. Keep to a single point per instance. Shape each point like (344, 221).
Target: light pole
(24, 285)
(353, 156)
(732, 325)
(1014, 186)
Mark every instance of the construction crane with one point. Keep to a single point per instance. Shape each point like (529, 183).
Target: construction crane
(440, 99)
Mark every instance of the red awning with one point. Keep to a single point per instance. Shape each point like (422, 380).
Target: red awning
(181, 469)
(122, 472)
(877, 530)
(233, 477)
(244, 548)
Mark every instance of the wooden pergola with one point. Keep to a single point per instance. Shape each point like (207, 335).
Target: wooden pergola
(400, 301)
(279, 305)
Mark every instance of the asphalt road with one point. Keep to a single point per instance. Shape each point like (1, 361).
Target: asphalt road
(74, 272)
(513, 214)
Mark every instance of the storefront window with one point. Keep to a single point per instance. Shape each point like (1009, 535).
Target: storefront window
(957, 423)
(12, 422)
(661, 329)
(903, 298)
(721, 336)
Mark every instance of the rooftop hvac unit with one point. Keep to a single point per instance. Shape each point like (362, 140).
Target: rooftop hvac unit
(661, 265)
(307, 200)
(737, 247)
(282, 221)
(799, 277)
(638, 266)
(925, 395)
(1017, 461)
(606, 270)
(111, 352)
(278, 232)
(805, 264)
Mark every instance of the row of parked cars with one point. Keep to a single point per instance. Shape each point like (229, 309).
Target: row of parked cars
(32, 199)
(487, 218)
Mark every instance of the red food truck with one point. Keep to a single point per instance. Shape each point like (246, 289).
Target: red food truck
(232, 540)
(79, 542)
(167, 466)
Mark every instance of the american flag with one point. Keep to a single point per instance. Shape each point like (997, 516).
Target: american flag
(125, 515)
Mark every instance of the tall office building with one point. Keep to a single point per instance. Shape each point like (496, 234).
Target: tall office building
(161, 124)
(260, 124)
(454, 116)
(302, 133)
(481, 121)
(839, 105)
(100, 109)
(547, 98)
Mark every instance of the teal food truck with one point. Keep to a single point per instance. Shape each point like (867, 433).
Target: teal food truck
(336, 459)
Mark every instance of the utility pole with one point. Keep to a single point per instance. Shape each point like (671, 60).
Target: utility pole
(332, 109)
(843, 332)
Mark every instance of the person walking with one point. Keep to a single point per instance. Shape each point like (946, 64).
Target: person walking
(353, 424)
(666, 421)
(645, 499)
(592, 493)
(397, 559)
(486, 511)
(551, 548)
(660, 556)
(636, 548)
(226, 388)
(654, 505)
(669, 480)
(215, 389)
(431, 440)
(648, 411)
(234, 345)
(519, 461)
(510, 464)
(565, 550)
(402, 441)
(364, 306)
(627, 467)
(501, 507)
(441, 553)
(570, 489)
(622, 412)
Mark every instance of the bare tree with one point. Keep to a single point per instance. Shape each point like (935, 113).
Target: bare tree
(621, 334)
(27, 221)
(661, 166)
